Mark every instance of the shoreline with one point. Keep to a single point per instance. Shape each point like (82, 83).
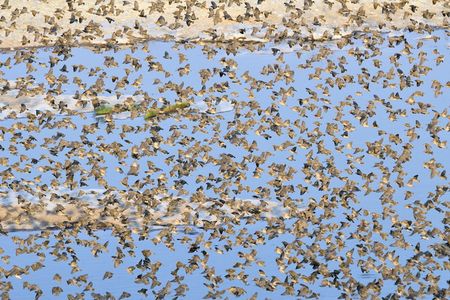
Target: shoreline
(231, 39)
(200, 41)
(48, 214)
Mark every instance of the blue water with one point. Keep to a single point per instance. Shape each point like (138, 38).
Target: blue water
(366, 207)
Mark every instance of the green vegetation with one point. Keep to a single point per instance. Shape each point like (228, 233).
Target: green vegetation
(151, 113)
(103, 110)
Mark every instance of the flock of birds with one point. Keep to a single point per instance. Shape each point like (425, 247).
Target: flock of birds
(290, 146)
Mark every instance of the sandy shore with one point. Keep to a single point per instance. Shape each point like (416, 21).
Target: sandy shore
(98, 209)
(36, 23)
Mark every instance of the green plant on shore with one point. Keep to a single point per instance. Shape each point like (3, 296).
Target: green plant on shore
(103, 110)
(151, 113)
